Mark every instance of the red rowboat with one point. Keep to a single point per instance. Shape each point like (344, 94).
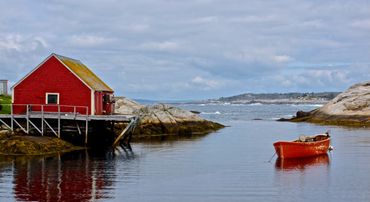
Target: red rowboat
(303, 147)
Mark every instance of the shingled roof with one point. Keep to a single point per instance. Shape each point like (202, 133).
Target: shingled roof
(84, 73)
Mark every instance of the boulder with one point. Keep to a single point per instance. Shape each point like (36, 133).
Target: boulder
(126, 106)
(352, 107)
(162, 119)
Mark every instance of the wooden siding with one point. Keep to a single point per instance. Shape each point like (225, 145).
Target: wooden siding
(52, 77)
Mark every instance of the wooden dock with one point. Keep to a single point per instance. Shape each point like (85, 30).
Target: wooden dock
(25, 117)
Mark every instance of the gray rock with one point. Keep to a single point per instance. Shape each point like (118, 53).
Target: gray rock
(158, 113)
(160, 120)
(355, 101)
(162, 113)
(126, 106)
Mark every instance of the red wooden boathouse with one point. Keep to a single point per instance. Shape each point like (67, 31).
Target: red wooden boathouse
(62, 81)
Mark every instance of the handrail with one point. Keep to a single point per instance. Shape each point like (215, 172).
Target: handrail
(43, 108)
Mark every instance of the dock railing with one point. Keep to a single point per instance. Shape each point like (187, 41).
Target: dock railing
(43, 112)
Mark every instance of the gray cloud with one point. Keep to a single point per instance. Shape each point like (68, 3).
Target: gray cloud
(172, 49)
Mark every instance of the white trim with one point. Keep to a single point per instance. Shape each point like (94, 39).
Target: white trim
(46, 97)
(92, 102)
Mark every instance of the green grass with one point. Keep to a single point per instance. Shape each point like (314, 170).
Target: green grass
(4, 104)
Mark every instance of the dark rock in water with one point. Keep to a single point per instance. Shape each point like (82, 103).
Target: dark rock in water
(301, 114)
(257, 119)
(283, 119)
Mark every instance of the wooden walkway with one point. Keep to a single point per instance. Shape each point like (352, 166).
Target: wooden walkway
(30, 113)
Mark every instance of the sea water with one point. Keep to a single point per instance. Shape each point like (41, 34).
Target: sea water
(232, 164)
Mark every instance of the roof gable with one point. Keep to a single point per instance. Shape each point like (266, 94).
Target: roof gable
(84, 73)
(79, 70)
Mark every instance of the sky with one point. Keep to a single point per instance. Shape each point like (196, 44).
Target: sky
(194, 49)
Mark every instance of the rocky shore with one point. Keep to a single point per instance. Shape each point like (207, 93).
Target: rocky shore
(163, 121)
(12, 144)
(350, 108)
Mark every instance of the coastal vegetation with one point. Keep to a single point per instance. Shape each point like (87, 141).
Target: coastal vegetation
(5, 102)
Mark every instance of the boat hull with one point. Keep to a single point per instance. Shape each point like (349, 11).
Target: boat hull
(301, 149)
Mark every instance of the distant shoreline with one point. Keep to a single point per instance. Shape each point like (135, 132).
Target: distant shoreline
(263, 102)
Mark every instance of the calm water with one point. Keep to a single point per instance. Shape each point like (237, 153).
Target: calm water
(230, 165)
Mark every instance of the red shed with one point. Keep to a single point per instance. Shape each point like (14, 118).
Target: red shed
(66, 82)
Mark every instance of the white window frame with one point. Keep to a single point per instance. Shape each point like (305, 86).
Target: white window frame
(47, 95)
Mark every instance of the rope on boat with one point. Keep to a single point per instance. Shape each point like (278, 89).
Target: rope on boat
(271, 157)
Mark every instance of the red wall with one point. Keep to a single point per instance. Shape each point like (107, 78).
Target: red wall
(100, 106)
(52, 77)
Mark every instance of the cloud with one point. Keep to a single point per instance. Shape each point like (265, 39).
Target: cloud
(138, 28)
(161, 46)
(88, 40)
(281, 58)
(194, 48)
(206, 84)
(363, 24)
(19, 43)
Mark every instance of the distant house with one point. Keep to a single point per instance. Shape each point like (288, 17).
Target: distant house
(62, 81)
(3, 87)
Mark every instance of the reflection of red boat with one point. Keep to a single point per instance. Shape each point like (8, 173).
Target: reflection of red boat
(301, 163)
(304, 147)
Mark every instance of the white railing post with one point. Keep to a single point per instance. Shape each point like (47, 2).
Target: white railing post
(59, 121)
(42, 120)
(87, 125)
(12, 117)
(27, 119)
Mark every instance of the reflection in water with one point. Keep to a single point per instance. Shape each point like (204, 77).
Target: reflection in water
(77, 176)
(301, 163)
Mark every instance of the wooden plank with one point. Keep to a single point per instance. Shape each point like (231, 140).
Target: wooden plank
(24, 130)
(35, 126)
(128, 128)
(51, 128)
(5, 124)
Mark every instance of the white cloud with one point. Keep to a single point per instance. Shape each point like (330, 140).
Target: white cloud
(254, 19)
(161, 46)
(170, 41)
(138, 28)
(363, 24)
(320, 78)
(205, 84)
(281, 58)
(313, 23)
(19, 43)
(207, 19)
(88, 40)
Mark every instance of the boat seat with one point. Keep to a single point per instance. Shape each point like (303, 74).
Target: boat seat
(304, 138)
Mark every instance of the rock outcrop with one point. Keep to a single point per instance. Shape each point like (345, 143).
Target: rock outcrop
(163, 120)
(126, 106)
(351, 107)
(33, 145)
